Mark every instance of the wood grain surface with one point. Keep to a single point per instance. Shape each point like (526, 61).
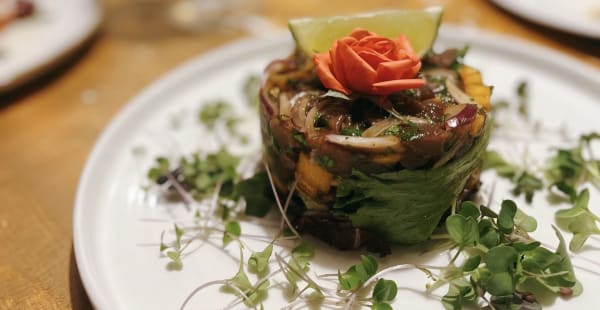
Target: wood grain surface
(48, 127)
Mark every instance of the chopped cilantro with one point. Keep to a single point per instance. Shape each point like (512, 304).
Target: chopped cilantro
(460, 56)
(298, 136)
(324, 161)
(354, 131)
(408, 132)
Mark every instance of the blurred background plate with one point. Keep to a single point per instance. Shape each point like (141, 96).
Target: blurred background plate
(31, 46)
(580, 17)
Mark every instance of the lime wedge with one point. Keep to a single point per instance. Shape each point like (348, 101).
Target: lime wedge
(315, 35)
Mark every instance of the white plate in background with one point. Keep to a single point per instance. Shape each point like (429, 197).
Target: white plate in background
(117, 253)
(30, 46)
(580, 17)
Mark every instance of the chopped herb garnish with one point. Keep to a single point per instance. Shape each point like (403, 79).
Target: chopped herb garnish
(354, 131)
(408, 132)
(460, 56)
(324, 161)
(523, 94)
(298, 136)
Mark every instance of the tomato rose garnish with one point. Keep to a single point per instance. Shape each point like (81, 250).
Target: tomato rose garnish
(366, 63)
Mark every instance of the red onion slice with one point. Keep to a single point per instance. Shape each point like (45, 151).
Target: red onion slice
(460, 114)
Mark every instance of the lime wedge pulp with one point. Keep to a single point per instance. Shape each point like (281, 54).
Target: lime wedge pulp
(315, 35)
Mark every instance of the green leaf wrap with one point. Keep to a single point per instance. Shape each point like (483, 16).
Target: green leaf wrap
(406, 206)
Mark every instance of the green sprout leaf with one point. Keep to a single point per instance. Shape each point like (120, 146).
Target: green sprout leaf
(463, 231)
(524, 181)
(506, 216)
(493, 160)
(524, 221)
(488, 235)
(259, 261)
(501, 258)
(384, 291)
(560, 265)
(500, 284)
(471, 263)
(232, 229)
(460, 291)
(469, 209)
(356, 275)
(212, 112)
(161, 169)
(299, 262)
(381, 306)
(579, 220)
(527, 184)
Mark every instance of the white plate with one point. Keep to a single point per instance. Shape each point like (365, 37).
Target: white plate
(31, 45)
(581, 17)
(120, 270)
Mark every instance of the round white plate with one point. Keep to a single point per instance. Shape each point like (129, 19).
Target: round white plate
(30, 46)
(580, 17)
(117, 247)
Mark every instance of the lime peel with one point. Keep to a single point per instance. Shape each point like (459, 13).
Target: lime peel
(315, 35)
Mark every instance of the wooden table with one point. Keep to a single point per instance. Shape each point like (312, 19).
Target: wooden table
(48, 127)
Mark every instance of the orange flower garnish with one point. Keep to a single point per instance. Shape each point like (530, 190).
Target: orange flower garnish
(366, 63)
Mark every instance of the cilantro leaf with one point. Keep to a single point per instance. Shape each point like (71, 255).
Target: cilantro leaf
(257, 193)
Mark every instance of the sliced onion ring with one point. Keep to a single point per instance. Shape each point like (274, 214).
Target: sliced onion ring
(367, 144)
(460, 114)
(285, 108)
(458, 95)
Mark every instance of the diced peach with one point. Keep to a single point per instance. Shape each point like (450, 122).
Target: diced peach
(474, 86)
(386, 159)
(312, 178)
(477, 125)
(481, 94)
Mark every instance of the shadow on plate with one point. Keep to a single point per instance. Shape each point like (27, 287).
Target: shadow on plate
(79, 298)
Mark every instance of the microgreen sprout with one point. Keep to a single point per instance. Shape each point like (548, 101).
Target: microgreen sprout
(525, 182)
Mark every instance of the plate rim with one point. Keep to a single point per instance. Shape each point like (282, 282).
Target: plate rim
(50, 61)
(515, 7)
(85, 264)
